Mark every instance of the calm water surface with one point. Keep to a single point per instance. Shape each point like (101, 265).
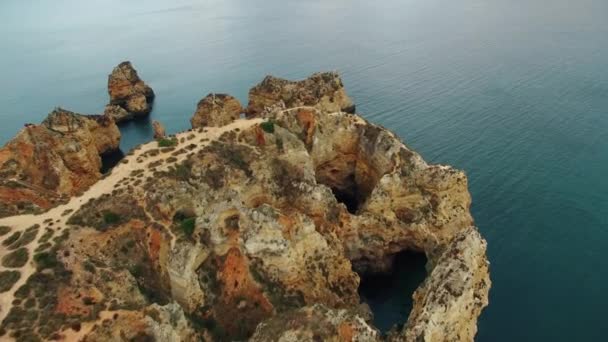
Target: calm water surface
(514, 92)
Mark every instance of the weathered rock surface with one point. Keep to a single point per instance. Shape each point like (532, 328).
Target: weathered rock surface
(128, 92)
(323, 91)
(216, 110)
(159, 130)
(316, 323)
(60, 157)
(118, 113)
(259, 229)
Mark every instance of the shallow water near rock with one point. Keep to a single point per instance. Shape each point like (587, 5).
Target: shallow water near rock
(514, 93)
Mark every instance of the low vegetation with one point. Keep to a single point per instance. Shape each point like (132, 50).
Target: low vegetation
(45, 260)
(9, 240)
(4, 230)
(15, 259)
(268, 126)
(110, 217)
(8, 279)
(187, 226)
(167, 142)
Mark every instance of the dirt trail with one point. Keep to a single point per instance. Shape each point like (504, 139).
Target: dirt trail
(103, 186)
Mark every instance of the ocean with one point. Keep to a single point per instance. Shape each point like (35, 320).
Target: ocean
(513, 92)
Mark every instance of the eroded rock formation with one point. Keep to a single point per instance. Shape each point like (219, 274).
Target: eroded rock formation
(323, 91)
(58, 158)
(259, 229)
(216, 110)
(129, 95)
(159, 130)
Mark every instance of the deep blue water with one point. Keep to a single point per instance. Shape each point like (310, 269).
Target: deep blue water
(514, 92)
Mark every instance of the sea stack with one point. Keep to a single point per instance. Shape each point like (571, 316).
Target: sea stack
(129, 96)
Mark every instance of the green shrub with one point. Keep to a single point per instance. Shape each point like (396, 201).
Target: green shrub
(8, 279)
(14, 237)
(164, 142)
(45, 260)
(25, 239)
(15, 259)
(267, 126)
(110, 217)
(187, 226)
(4, 230)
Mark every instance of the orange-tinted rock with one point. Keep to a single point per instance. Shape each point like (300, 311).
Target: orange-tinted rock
(129, 92)
(216, 110)
(60, 157)
(159, 129)
(324, 91)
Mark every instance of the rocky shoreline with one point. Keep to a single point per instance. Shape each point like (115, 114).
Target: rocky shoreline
(238, 229)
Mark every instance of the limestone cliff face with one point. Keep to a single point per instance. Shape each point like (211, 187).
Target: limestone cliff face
(129, 93)
(260, 230)
(323, 91)
(60, 157)
(216, 110)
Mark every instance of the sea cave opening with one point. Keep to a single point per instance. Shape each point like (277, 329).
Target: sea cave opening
(389, 295)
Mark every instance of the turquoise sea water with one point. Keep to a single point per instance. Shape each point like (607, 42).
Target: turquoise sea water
(514, 92)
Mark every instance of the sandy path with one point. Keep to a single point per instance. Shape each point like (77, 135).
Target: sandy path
(103, 186)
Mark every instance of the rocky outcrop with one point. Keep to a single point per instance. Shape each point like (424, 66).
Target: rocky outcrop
(58, 158)
(323, 91)
(129, 93)
(117, 113)
(216, 110)
(159, 130)
(259, 229)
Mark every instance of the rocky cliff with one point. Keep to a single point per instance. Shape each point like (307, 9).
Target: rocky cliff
(57, 159)
(216, 110)
(324, 91)
(259, 229)
(129, 95)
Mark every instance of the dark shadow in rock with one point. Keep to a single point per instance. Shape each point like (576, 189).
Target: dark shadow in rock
(349, 198)
(111, 159)
(390, 295)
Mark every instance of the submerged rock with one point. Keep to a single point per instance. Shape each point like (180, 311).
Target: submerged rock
(60, 157)
(260, 229)
(323, 91)
(216, 110)
(128, 92)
